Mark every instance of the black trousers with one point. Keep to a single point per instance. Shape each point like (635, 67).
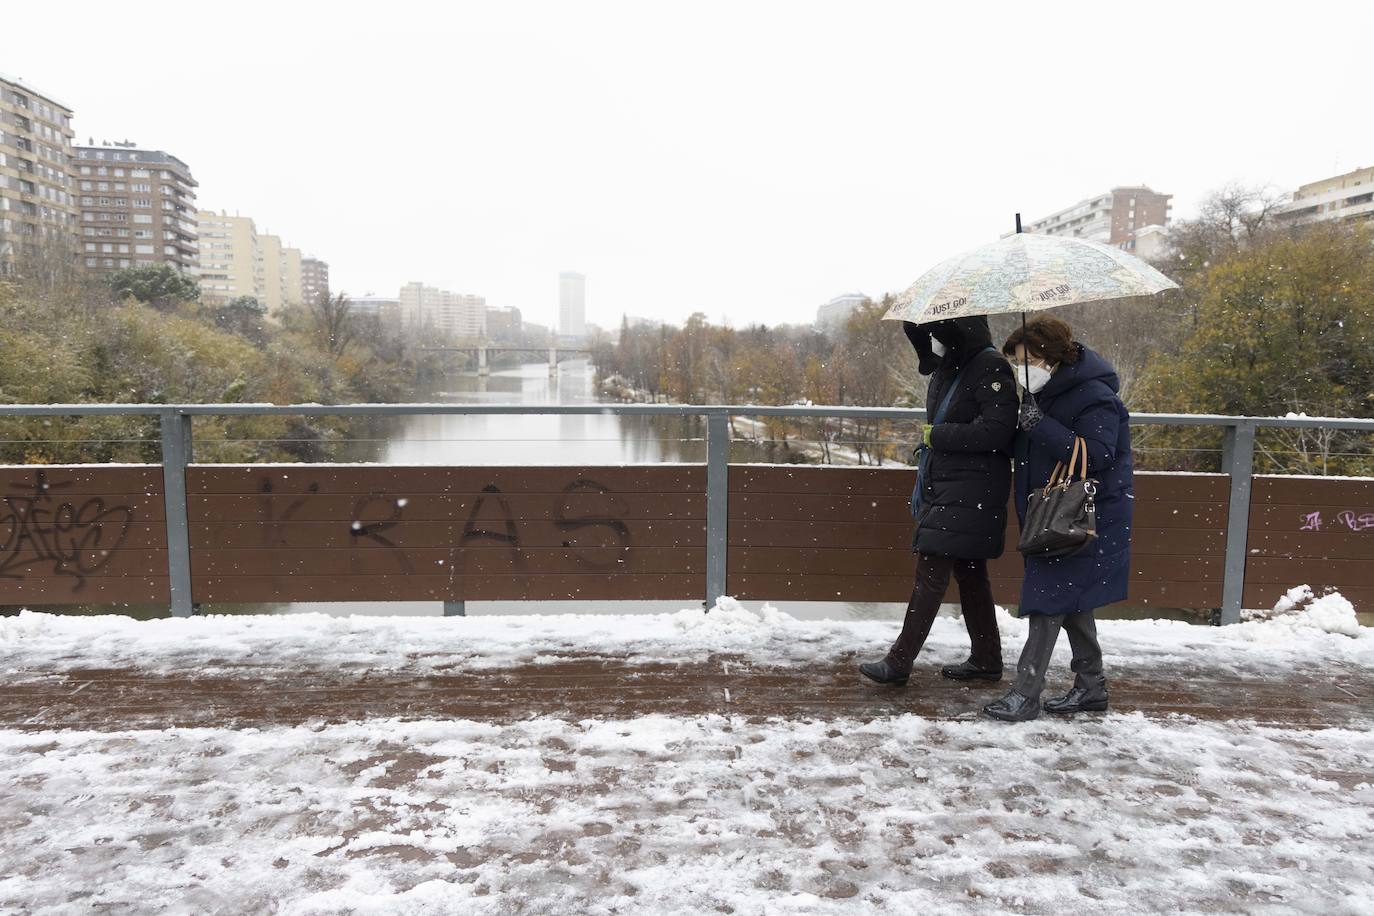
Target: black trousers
(1035, 657)
(975, 594)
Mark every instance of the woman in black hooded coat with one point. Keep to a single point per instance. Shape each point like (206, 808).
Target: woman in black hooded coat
(960, 501)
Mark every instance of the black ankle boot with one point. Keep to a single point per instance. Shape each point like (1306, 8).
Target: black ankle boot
(1079, 699)
(1013, 708)
(968, 671)
(884, 672)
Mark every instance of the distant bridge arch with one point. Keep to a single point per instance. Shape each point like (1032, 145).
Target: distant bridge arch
(555, 353)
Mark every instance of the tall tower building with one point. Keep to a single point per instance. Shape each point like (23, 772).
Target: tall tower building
(37, 201)
(572, 304)
(138, 208)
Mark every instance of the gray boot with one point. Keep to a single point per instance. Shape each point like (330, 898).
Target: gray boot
(1023, 701)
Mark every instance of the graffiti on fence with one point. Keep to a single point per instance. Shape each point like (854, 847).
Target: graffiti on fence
(70, 538)
(1347, 519)
(274, 532)
(606, 556)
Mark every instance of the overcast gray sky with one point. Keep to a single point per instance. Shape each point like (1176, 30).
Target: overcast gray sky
(748, 160)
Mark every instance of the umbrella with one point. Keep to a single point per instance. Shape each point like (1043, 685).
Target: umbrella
(1023, 273)
(1026, 272)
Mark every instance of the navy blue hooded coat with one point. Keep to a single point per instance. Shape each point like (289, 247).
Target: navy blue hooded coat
(1081, 400)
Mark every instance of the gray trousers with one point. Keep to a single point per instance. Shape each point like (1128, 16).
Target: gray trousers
(1044, 633)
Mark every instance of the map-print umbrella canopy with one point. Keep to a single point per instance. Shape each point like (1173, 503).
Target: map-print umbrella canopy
(1024, 273)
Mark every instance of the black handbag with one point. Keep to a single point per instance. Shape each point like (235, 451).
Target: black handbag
(1061, 518)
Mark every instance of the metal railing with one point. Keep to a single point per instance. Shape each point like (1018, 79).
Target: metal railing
(1238, 453)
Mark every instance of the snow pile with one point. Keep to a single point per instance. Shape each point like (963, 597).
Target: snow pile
(689, 815)
(1300, 633)
(730, 620)
(1300, 609)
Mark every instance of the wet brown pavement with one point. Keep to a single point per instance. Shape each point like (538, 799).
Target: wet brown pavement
(576, 688)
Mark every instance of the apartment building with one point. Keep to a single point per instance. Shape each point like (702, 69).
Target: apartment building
(836, 312)
(458, 314)
(504, 324)
(314, 279)
(385, 308)
(138, 208)
(1344, 197)
(236, 260)
(1112, 218)
(37, 202)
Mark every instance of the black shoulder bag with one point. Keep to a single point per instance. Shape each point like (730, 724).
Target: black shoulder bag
(1061, 518)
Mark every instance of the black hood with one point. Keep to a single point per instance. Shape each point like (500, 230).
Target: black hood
(963, 338)
(1090, 367)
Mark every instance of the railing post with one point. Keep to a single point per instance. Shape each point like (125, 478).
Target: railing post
(1238, 452)
(176, 454)
(717, 508)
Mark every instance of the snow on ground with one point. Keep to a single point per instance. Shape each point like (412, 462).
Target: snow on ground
(1302, 633)
(691, 814)
(1116, 814)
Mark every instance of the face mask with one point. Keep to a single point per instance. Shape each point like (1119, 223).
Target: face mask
(1033, 378)
(936, 347)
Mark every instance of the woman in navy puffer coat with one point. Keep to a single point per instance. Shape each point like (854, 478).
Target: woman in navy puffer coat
(1072, 393)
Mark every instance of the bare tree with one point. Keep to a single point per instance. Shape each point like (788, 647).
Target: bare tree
(334, 322)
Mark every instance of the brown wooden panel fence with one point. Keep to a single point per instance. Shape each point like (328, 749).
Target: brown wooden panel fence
(338, 533)
(828, 534)
(78, 534)
(95, 534)
(1316, 531)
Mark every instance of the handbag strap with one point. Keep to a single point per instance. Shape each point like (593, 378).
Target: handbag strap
(1078, 463)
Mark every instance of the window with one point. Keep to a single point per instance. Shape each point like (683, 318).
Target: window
(119, 186)
(108, 262)
(168, 249)
(139, 173)
(107, 249)
(141, 188)
(119, 173)
(101, 170)
(89, 230)
(121, 217)
(144, 202)
(123, 249)
(90, 246)
(86, 170)
(144, 218)
(123, 263)
(105, 202)
(143, 233)
(87, 186)
(143, 249)
(88, 201)
(92, 262)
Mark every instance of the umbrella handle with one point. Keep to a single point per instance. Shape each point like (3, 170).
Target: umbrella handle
(1025, 346)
